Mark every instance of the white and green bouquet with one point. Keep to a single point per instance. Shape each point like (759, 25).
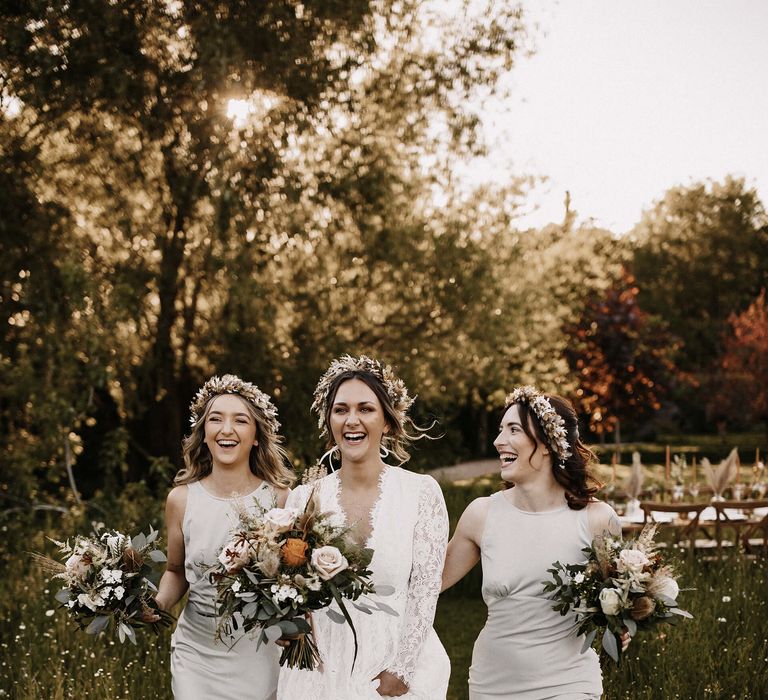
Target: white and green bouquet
(624, 585)
(108, 580)
(281, 565)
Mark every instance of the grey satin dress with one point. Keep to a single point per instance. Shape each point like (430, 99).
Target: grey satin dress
(526, 650)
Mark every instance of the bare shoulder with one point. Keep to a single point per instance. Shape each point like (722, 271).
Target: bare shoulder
(603, 518)
(176, 503)
(472, 521)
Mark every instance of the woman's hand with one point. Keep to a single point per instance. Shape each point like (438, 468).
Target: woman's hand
(390, 685)
(625, 639)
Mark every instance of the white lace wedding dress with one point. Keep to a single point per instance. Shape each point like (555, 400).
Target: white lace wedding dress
(409, 534)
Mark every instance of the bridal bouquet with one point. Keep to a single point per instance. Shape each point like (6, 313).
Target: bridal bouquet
(107, 580)
(622, 585)
(281, 565)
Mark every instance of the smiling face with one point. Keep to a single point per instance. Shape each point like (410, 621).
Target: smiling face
(522, 459)
(357, 421)
(230, 431)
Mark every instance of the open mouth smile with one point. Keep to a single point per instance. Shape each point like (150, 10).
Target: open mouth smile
(354, 438)
(507, 458)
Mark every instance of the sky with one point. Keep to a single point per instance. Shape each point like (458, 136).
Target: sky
(624, 99)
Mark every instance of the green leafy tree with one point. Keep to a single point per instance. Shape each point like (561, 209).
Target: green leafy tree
(242, 186)
(700, 256)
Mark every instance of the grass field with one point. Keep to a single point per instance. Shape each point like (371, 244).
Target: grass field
(722, 653)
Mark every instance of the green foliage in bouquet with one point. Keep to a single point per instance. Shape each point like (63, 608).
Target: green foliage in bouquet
(283, 564)
(622, 586)
(108, 579)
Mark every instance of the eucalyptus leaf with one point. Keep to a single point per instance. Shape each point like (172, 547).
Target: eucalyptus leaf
(289, 628)
(273, 633)
(588, 640)
(610, 645)
(157, 556)
(138, 542)
(631, 626)
(98, 624)
(63, 595)
(385, 590)
(682, 613)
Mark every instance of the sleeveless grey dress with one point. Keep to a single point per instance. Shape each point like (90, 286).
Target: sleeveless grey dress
(527, 650)
(201, 667)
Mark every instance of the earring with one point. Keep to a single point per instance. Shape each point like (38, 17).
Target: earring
(333, 453)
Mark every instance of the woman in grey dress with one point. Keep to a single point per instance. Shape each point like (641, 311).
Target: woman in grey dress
(233, 460)
(527, 650)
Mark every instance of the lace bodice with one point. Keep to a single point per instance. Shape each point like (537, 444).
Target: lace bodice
(409, 535)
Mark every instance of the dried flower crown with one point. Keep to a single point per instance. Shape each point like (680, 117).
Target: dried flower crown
(551, 421)
(393, 385)
(232, 384)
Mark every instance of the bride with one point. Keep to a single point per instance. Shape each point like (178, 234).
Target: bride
(361, 406)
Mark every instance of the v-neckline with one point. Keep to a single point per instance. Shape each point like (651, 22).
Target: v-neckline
(373, 515)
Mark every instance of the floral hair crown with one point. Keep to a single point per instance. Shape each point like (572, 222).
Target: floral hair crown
(551, 421)
(232, 384)
(393, 385)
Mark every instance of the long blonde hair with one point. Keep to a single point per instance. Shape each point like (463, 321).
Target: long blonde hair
(267, 459)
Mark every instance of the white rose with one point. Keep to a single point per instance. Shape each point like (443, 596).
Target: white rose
(666, 586)
(281, 519)
(579, 578)
(92, 602)
(632, 560)
(328, 561)
(610, 601)
(235, 555)
(76, 567)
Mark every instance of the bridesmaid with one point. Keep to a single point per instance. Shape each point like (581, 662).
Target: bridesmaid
(233, 459)
(527, 650)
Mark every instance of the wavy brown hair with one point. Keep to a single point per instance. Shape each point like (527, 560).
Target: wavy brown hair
(574, 475)
(399, 437)
(267, 459)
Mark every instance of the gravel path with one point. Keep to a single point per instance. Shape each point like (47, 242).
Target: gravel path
(467, 470)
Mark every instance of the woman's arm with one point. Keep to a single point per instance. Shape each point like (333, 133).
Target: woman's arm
(464, 547)
(430, 536)
(603, 520)
(173, 584)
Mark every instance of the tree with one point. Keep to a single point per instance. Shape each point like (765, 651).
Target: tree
(742, 386)
(699, 256)
(621, 358)
(196, 150)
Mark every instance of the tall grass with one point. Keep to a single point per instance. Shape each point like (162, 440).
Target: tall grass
(722, 653)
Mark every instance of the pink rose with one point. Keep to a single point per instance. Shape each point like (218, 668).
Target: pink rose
(281, 519)
(328, 561)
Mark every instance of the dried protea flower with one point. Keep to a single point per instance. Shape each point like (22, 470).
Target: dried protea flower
(642, 608)
(133, 560)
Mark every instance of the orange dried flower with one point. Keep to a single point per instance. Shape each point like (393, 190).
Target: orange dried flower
(294, 551)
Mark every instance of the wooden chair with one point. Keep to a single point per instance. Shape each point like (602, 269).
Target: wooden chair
(685, 526)
(751, 533)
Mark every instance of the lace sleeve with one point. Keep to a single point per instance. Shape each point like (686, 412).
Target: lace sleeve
(430, 539)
